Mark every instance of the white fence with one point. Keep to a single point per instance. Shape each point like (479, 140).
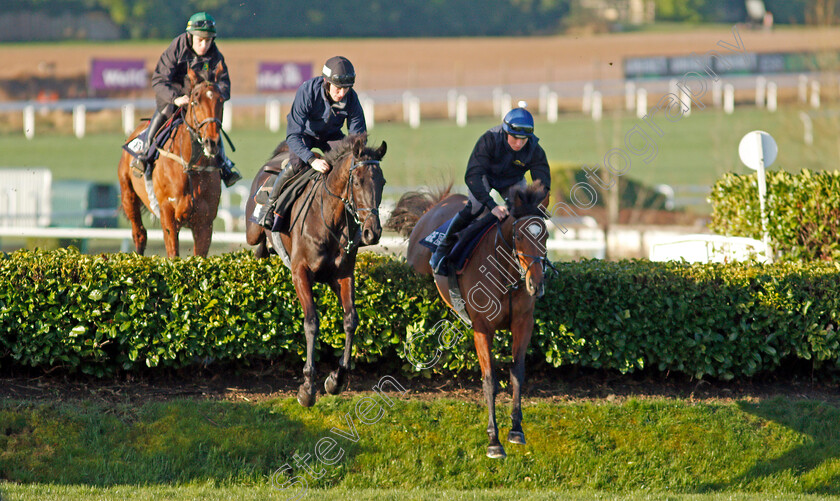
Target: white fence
(543, 98)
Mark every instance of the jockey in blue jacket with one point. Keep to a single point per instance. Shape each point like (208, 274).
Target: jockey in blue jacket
(321, 107)
(499, 161)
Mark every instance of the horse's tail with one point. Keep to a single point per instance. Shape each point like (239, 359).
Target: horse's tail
(411, 207)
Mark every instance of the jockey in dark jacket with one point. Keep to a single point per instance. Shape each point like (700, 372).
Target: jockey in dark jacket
(499, 161)
(196, 49)
(321, 107)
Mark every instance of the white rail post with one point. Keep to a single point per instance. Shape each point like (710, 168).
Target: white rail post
(815, 94)
(461, 111)
(273, 115)
(79, 112)
(128, 118)
(629, 96)
(717, 93)
(586, 106)
(597, 106)
(760, 91)
(551, 111)
(772, 99)
(803, 89)
(641, 103)
(728, 99)
(543, 104)
(414, 112)
(451, 103)
(29, 121)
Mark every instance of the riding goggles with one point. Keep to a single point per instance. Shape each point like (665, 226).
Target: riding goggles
(521, 131)
(346, 80)
(202, 24)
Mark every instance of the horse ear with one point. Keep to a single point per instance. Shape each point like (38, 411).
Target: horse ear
(192, 76)
(359, 146)
(546, 194)
(218, 72)
(380, 152)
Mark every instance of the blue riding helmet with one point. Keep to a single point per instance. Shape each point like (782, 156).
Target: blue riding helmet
(519, 123)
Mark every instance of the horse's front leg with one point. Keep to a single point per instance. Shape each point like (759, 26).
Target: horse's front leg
(170, 227)
(303, 286)
(483, 335)
(345, 290)
(522, 327)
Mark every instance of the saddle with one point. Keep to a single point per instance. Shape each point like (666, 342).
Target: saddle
(468, 239)
(134, 147)
(290, 192)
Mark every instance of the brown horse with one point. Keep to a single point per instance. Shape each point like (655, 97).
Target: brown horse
(186, 182)
(335, 214)
(500, 283)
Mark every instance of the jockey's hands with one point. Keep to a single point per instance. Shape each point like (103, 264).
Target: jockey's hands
(320, 165)
(181, 101)
(500, 212)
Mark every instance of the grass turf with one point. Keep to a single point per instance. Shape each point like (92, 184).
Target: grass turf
(766, 448)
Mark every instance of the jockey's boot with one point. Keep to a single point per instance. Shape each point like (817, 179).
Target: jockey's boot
(266, 218)
(440, 256)
(230, 174)
(140, 163)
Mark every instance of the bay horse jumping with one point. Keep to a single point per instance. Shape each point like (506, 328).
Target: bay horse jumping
(336, 213)
(499, 284)
(186, 182)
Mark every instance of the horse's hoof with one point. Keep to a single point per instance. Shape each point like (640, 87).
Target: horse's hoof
(332, 387)
(516, 437)
(496, 452)
(305, 398)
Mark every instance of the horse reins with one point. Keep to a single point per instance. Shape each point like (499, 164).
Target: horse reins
(350, 208)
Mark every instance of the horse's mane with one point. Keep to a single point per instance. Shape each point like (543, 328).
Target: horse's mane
(530, 198)
(412, 206)
(345, 147)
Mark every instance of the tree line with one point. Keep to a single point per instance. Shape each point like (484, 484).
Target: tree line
(138, 19)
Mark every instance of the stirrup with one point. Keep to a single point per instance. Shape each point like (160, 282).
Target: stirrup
(138, 167)
(438, 262)
(232, 178)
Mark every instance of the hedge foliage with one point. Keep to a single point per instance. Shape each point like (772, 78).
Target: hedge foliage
(803, 211)
(120, 312)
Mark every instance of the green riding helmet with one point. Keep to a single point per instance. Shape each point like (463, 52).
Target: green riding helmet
(201, 23)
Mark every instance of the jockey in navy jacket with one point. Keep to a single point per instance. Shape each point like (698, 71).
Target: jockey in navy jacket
(314, 120)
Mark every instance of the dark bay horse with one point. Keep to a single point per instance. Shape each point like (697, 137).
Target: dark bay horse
(500, 283)
(186, 182)
(334, 215)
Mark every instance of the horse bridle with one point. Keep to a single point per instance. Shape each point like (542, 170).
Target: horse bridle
(195, 129)
(515, 254)
(349, 202)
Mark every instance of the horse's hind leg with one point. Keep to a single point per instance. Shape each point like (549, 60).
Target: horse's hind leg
(521, 338)
(132, 205)
(303, 287)
(344, 289)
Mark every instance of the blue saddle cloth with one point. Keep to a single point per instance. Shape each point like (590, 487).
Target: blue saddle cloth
(468, 239)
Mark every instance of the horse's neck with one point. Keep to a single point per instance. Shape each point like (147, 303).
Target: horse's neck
(333, 208)
(500, 247)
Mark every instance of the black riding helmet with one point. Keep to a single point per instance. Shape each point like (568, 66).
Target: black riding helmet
(339, 71)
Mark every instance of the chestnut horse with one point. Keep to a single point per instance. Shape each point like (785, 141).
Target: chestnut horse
(336, 213)
(186, 182)
(500, 283)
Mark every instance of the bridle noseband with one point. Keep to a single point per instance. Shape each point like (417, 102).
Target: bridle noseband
(515, 254)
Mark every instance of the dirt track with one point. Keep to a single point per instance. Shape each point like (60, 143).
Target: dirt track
(442, 62)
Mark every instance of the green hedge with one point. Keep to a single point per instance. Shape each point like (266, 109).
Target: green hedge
(120, 312)
(803, 211)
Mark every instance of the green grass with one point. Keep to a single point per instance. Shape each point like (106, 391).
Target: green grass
(660, 448)
(694, 150)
